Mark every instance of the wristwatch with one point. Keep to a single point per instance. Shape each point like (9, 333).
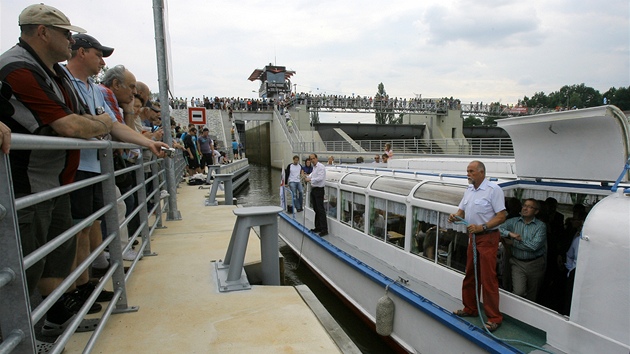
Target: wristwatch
(485, 227)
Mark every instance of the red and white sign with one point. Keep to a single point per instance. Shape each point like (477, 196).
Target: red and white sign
(197, 115)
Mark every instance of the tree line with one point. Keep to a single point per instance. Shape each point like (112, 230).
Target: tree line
(568, 97)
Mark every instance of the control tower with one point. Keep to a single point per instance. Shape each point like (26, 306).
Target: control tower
(274, 81)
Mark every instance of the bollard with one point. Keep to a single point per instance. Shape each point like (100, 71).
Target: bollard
(230, 272)
(212, 168)
(227, 190)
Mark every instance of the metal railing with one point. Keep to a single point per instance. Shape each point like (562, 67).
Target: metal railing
(16, 317)
(413, 147)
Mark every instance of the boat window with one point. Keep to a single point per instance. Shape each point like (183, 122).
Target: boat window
(346, 210)
(436, 239)
(334, 176)
(358, 179)
(441, 192)
(395, 221)
(400, 186)
(378, 208)
(353, 212)
(330, 201)
(358, 213)
(387, 221)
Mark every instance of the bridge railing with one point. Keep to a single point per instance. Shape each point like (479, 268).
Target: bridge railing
(17, 316)
(414, 147)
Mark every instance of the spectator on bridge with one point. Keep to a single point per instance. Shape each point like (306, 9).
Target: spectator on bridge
(385, 158)
(331, 160)
(377, 159)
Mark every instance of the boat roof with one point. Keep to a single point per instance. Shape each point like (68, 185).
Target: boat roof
(591, 144)
(587, 145)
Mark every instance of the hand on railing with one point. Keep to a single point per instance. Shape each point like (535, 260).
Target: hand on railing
(5, 138)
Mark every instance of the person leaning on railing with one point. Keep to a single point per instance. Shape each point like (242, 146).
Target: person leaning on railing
(5, 138)
(45, 103)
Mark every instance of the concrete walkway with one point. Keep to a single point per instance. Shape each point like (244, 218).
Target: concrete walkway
(181, 310)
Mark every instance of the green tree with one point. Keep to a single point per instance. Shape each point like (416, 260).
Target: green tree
(539, 99)
(314, 117)
(472, 121)
(619, 97)
(384, 114)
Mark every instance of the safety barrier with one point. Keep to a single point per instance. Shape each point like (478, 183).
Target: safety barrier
(16, 317)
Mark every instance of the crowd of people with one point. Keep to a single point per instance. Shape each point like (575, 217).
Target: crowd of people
(51, 99)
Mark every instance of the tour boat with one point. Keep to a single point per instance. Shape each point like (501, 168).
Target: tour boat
(389, 236)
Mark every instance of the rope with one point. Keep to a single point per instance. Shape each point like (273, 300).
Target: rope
(474, 244)
(303, 224)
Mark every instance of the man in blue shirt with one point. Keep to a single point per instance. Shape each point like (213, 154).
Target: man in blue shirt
(528, 237)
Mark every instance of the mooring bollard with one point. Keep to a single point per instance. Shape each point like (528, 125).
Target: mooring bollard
(227, 186)
(230, 272)
(212, 168)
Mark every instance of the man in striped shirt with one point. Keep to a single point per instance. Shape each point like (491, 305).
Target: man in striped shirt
(529, 237)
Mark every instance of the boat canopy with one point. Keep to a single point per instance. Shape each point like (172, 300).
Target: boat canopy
(395, 185)
(358, 179)
(590, 144)
(446, 193)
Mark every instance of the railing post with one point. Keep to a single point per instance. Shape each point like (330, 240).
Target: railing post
(143, 214)
(15, 307)
(112, 225)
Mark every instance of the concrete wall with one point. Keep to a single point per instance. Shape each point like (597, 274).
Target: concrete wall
(257, 149)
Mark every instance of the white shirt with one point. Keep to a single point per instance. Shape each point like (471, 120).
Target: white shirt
(294, 172)
(482, 204)
(318, 176)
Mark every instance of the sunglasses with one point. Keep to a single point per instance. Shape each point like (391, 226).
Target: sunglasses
(66, 33)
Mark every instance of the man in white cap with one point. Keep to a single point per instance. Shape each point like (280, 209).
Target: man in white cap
(45, 103)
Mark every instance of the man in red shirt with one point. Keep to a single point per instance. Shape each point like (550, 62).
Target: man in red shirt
(45, 103)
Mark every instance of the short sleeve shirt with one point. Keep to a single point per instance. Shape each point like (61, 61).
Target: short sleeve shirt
(482, 204)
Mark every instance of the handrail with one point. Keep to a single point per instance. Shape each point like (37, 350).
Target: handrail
(16, 316)
(415, 147)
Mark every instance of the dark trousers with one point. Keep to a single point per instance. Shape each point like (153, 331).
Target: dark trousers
(317, 196)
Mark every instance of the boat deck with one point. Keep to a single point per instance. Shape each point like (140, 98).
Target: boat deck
(181, 310)
(510, 330)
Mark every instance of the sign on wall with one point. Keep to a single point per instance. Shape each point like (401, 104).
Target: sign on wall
(197, 115)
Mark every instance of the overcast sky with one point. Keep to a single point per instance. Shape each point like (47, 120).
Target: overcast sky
(482, 50)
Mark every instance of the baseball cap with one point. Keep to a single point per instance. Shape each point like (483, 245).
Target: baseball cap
(87, 41)
(154, 106)
(40, 14)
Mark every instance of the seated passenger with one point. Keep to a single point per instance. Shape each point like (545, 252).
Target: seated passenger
(358, 221)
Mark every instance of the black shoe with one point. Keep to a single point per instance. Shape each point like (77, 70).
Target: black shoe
(323, 233)
(300, 210)
(100, 272)
(314, 230)
(88, 288)
(74, 301)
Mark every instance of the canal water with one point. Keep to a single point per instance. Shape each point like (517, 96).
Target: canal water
(264, 189)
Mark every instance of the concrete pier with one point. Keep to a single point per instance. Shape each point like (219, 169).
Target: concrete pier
(181, 310)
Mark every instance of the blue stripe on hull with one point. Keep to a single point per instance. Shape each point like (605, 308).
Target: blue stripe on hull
(473, 333)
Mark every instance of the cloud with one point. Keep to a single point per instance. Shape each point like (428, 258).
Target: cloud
(479, 24)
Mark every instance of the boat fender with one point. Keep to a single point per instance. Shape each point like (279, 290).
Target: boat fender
(385, 315)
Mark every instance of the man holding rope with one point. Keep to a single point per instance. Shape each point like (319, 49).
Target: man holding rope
(483, 206)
